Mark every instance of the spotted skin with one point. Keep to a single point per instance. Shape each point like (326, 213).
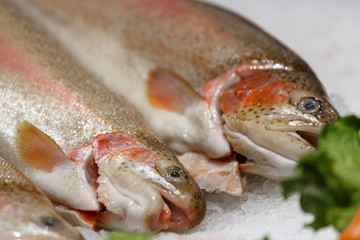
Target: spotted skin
(45, 87)
(200, 43)
(266, 108)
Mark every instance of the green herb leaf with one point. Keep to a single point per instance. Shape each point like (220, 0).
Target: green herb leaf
(117, 235)
(329, 180)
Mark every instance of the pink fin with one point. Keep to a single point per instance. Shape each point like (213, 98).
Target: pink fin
(37, 149)
(214, 174)
(168, 91)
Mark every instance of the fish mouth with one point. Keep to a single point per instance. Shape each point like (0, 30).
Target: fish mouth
(172, 216)
(308, 128)
(275, 165)
(273, 148)
(304, 129)
(181, 196)
(310, 137)
(179, 212)
(182, 217)
(179, 219)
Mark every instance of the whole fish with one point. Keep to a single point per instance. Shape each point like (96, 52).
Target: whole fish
(80, 144)
(207, 81)
(26, 213)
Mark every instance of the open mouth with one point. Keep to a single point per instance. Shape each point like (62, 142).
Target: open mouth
(179, 220)
(183, 218)
(310, 137)
(300, 128)
(171, 218)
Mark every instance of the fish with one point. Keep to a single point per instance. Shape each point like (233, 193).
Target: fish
(207, 81)
(25, 212)
(83, 146)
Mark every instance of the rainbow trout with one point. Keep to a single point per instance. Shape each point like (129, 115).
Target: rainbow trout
(209, 83)
(26, 213)
(84, 147)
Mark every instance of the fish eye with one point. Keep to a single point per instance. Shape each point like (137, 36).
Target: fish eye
(309, 104)
(175, 174)
(48, 222)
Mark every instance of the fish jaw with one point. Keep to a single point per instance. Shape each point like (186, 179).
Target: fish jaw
(272, 121)
(137, 206)
(136, 190)
(259, 160)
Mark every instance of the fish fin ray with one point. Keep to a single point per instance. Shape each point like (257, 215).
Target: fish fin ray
(167, 90)
(37, 149)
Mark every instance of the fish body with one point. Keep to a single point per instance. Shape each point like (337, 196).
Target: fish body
(26, 213)
(80, 144)
(206, 80)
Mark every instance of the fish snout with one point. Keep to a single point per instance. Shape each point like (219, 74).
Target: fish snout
(131, 202)
(271, 146)
(183, 196)
(186, 216)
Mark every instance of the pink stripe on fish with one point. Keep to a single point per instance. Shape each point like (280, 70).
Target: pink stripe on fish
(14, 59)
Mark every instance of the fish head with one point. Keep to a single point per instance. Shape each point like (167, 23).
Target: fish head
(31, 216)
(273, 118)
(145, 185)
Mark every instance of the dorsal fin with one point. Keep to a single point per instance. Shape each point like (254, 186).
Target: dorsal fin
(167, 90)
(37, 149)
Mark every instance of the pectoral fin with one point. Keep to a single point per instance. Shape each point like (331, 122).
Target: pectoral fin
(167, 90)
(37, 149)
